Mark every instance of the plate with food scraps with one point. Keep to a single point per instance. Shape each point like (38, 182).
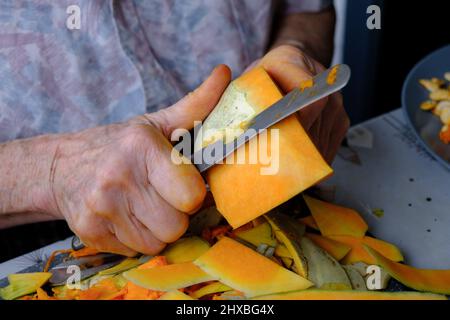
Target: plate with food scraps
(426, 103)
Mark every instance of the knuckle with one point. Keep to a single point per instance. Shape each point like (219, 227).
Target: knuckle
(115, 174)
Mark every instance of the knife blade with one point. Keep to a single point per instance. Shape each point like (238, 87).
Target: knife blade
(293, 102)
(88, 267)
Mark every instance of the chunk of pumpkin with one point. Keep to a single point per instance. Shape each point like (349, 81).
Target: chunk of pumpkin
(359, 254)
(185, 250)
(334, 220)
(175, 295)
(261, 234)
(245, 270)
(336, 249)
(351, 295)
(170, 277)
(437, 281)
(21, 284)
(240, 191)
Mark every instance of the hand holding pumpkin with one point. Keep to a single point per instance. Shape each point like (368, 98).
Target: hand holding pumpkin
(117, 186)
(326, 121)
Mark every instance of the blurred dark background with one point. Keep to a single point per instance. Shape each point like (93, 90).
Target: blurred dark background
(380, 61)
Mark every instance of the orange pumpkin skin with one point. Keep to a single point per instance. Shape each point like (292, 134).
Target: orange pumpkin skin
(334, 220)
(240, 191)
(336, 249)
(243, 269)
(351, 295)
(358, 253)
(437, 281)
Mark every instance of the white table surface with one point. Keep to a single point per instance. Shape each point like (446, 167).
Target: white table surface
(400, 177)
(396, 175)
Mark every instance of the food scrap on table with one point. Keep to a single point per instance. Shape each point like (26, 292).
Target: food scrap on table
(439, 102)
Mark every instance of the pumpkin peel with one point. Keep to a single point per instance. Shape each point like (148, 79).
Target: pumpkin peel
(334, 220)
(336, 249)
(436, 281)
(358, 253)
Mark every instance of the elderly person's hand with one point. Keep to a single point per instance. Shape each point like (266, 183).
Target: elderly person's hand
(326, 121)
(117, 186)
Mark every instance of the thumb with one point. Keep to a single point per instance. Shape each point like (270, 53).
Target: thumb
(196, 105)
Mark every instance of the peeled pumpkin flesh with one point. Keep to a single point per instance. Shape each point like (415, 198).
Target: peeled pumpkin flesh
(336, 249)
(185, 250)
(21, 284)
(351, 295)
(437, 281)
(245, 270)
(359, 254)
(334, 220)
(170, 277)
(240, 191)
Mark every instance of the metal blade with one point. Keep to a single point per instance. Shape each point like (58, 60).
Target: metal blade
(290, 104)
(89, 266)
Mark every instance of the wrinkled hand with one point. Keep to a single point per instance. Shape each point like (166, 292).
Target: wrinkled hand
(326, 121)
(117, 186)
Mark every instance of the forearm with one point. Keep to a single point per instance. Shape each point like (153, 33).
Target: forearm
(25, 174)
(311, 32)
